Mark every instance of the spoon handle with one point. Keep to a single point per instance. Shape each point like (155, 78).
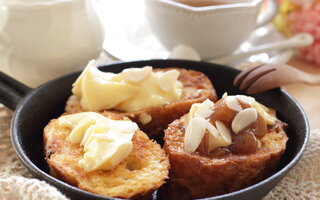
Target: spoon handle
(299, 40)
(312, 79)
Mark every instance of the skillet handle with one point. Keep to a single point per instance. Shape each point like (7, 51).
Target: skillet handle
(11, 91)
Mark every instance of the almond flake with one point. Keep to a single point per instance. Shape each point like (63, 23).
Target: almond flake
(194, 134)
(220, 138)
(243, 119)
(263, 111)
(225, 95)
(245, 99)
(224, 132)
(214, 132)
(205, 109)
(192, 111)
(233, 103)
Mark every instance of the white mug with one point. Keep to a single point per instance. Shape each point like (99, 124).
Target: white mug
(213, 31)
(43, 39)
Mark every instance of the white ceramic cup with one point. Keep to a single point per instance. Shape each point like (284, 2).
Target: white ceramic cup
(213, 31)
(43, 39)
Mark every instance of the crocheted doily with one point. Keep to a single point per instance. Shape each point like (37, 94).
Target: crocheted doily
(302, 182)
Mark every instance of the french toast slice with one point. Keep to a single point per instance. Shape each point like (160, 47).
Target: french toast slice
(193, 175)
(136, 177)
(196, 88)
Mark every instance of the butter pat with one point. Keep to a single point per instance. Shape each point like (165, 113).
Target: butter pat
(106, 142)
(150, 94)
(98, 91)
(166, 80)
(131, 90)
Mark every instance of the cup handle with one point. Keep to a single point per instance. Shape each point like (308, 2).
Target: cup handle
(269, 13)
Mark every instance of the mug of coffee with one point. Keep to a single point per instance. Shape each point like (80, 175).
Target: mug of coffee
(213, 28)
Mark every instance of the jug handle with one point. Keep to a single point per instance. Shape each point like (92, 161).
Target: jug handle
(270, 12)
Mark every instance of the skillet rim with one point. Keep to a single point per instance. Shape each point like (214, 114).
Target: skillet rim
(39, 173)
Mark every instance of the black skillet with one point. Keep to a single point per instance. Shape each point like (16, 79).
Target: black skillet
(34, 108)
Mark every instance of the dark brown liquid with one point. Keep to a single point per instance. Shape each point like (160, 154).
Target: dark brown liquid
(200, 3)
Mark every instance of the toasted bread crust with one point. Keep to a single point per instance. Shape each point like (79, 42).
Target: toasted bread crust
(200, 176)
(142, 172)
(196, 88)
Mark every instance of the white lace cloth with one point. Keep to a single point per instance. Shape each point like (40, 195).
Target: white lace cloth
(303, 182)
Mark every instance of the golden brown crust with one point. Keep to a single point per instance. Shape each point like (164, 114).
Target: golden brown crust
(142, 172)
(196, 88)
(200, 176)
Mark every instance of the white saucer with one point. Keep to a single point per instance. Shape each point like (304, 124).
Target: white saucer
(128, 36)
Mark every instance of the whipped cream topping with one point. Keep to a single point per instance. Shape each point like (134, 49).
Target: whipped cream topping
(106, 142)
(131, 90)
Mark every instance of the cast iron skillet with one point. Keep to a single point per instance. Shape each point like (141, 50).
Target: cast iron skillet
(35, 108)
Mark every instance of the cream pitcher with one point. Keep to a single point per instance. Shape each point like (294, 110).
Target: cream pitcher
(43, 39)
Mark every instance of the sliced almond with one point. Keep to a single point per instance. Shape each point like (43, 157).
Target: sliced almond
(201, 110)
(194, 134)
(225, 95)
(233, 103)
(212, 130)
(263, 111)
(220, 138)
(205, 109)
(224, 132)
(136, 74)
(245, 99)
(192, 111)
(167, 79)
(243, 119)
